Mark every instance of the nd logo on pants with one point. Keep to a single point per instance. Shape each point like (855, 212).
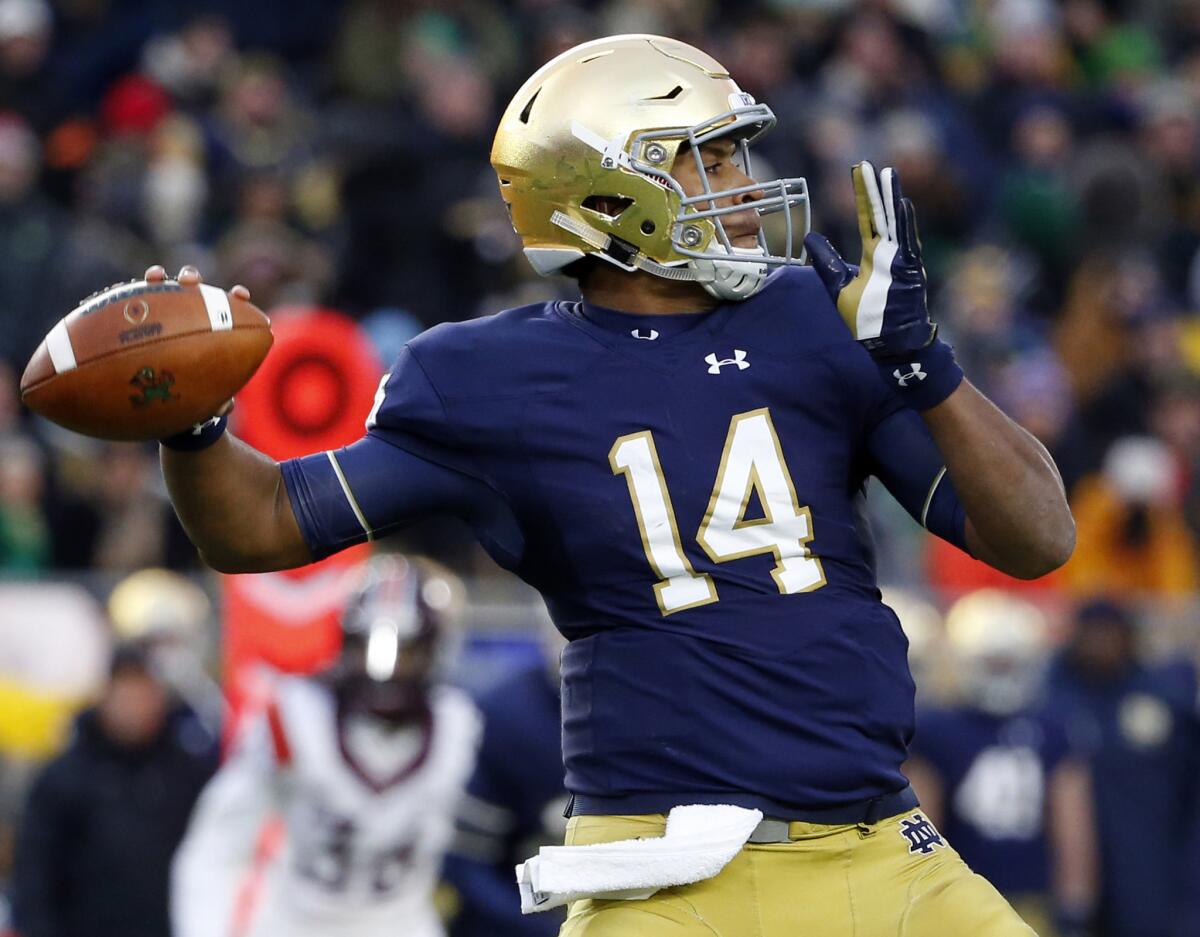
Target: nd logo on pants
(896, 878)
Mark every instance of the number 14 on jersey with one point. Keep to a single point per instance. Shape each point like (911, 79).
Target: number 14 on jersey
(751, 464)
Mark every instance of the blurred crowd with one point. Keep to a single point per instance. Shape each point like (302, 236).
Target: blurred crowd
(334, 154)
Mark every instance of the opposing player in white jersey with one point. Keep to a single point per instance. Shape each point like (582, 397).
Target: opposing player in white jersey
(364, 764)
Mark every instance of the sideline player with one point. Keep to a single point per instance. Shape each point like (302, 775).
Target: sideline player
(678, 463)
(365, 763)
(997, 774)
(1139, 723)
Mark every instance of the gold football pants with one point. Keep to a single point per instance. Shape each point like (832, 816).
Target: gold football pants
(896, 878)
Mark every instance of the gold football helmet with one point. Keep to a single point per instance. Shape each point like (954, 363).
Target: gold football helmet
(600, 126)
(1000, 643)
(157, 603)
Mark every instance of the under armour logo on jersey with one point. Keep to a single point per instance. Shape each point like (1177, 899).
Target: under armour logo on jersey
(903, 379)
(715, 364)
(651, 336)
(922, 835)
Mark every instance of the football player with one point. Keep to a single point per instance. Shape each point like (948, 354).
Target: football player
(1138, 720)
(998, 775)
(677, 462)
(364, 763)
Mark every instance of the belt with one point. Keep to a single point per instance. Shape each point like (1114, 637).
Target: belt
(869, 812)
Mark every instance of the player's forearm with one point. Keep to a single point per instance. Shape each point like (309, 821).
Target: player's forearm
(1073, 839)
(232, 502)
(1017, 515)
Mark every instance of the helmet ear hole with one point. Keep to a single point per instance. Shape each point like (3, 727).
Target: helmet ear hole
(611, 206)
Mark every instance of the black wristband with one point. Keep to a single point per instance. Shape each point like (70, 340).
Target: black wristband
(200, 436)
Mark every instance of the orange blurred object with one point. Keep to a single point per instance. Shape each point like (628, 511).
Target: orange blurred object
(1165, 559)
(70, 145)
(315, 389)
(953, 573)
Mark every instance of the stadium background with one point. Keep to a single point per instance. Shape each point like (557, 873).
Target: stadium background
(334, 156)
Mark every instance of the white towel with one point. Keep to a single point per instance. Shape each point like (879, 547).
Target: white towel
(698, 843)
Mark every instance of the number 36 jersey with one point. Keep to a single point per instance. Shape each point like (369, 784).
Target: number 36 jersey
(686, 492)
(367, 811)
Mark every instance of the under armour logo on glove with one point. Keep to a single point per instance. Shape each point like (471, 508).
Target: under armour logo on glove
(903, 379)
(883, 300)
(715, 364)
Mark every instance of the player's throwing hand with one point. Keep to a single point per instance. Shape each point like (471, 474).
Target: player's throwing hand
(189, 276)
(883, 300)
(207, 432)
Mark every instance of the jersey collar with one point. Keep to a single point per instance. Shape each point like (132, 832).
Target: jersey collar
(639, 327)
(661, 342)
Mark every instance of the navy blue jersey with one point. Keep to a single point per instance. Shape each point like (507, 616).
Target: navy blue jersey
(514, 805)
(995, 771)
(686, 492)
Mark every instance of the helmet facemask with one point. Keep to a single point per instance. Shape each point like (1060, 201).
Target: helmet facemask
(385, 674)
(394, 639)
(1002, 685)
(999, 643)
(697, 230)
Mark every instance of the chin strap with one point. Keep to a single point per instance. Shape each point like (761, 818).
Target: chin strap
(725, 279)
(618, 252)
(734, 279)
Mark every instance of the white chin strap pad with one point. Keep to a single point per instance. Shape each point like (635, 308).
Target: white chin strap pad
(731, 280)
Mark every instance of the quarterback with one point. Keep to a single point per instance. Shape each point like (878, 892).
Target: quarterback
(678, 463)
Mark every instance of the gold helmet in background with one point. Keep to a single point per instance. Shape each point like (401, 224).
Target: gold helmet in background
(584, 153)
(1000, 644)
(157, 603)
(172, 617)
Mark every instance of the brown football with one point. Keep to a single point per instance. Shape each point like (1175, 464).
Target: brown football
(145, 360)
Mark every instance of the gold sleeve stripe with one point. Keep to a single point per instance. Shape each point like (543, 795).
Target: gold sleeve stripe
(937, 480)
(337, 470)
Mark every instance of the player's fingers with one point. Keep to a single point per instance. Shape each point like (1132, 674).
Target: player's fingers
(890, 185)
(832, 270)
(905, 221)
(912, 236)
(871, 185)
(155, 274)
(188, 276)
(862, 203)
(240, 292)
